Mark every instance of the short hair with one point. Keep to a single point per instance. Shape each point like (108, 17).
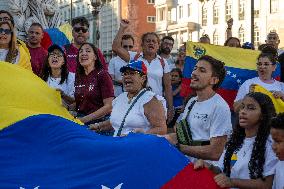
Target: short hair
(218, 69)
(205, 36)
(37, 25)
(127, 36)
(277, 122)
(273, 33)
(149, 33)
(10, 15)
(80, 20)
(230, 38)
(168, 37)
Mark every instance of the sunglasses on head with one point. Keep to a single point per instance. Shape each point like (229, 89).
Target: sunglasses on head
(6, 31)
(78, 29)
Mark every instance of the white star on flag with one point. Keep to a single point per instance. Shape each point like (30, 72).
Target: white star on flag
(234, 76)
(117, 187)
(238, 81)
(229, 72)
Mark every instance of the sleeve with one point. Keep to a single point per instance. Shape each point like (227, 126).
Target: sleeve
(242, 91)
(221, 121)
(270, 160)
(111, 67)
(167, 67)
(106, 85)
(132, 54)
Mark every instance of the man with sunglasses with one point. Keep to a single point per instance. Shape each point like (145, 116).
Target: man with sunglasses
(127, 42)
(80, 33)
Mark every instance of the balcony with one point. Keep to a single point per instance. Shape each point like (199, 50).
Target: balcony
(168, 3)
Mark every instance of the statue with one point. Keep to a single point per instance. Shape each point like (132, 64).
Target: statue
(26, 12)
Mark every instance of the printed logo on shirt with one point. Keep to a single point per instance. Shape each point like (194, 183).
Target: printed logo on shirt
(71, 55)
(234, 159)
(202, 117)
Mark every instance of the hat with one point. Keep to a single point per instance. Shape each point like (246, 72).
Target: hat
(248, 45)
(55, 46)
(136, 65)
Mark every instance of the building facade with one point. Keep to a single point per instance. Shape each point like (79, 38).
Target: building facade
(190, 19)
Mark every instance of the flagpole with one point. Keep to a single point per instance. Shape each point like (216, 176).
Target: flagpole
(252, 21)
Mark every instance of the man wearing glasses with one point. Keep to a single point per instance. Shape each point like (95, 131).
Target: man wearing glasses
(116, 63)
(80, 33)
(167, 44)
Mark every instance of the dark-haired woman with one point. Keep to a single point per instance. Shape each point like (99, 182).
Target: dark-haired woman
(266, 65)
(93, 86)
(56, 75)
(248, 160)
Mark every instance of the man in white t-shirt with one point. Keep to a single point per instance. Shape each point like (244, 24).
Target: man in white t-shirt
(209, 117)
(127, 42)
(158, 75)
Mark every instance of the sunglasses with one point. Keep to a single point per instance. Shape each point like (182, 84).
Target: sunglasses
(6, 31)
(78, 29)
(127, 46)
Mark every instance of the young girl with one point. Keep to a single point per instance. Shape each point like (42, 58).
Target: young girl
(248, 160)
(176, 76)
(56, 75)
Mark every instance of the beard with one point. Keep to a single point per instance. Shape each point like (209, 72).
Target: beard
(166, 50)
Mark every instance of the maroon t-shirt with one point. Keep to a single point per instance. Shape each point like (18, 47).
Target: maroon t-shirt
(91, 90)
(38, 56)
(72, 52)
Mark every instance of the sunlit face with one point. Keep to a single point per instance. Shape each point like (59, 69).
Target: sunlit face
(273, 39)
(35, 35)
(265, 68)
(233, 43)
(250, 114)
(80, 34)
(175, 78)
(127, 44)
(278, 142)
(132, 81)
(55, 59)
(87, 56)
(5, 34)
(150, 45)
(202, 76)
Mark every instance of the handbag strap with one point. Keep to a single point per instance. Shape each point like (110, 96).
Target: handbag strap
(131, 106)
(189, 109)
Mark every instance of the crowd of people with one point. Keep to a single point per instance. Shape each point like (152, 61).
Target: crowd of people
(139, 92)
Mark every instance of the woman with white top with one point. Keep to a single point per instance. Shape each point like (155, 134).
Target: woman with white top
(248, 160)
(266, 65)
(137, 109)
(56, 74)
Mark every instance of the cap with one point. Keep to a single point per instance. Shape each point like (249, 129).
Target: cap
(55, 46)
(248, 45)
(136, 65)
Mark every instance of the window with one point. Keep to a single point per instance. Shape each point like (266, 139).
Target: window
(215, 38)
(204, 16)
(215, 14)
(180, 10)
(256, 36)
(241, 9)
(273, 6)
(151, 19)
(242, 35)
(256, 13)
(150, 1)
(161, 14)
(228, 9)
(188, 10)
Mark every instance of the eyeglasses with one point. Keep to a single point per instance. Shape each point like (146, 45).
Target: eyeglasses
(78, 29)
(264, 65)
(5, 19)
(130, 73)
(58, 55)
(127, 46)
(6, 31)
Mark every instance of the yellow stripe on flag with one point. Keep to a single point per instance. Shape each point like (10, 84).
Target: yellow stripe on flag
(278, 103)
(232, 57)
(23, 94)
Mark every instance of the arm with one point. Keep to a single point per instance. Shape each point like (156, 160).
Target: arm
(207, 152)
(229, 28)
(168, 95)
(106, 109)
(101, 126)
(116, 45)
(115, 81)
(154, 111)
(223, 181)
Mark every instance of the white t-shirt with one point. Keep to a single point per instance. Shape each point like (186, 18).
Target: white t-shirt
(114, 69)
(67, 87)
(136, 117)
(171, 62)
(278, 182)
(244, 88)
(155, 72)
(3, 54)
(240, 168)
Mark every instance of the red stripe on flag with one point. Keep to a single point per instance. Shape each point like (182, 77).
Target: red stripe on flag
(188, 178)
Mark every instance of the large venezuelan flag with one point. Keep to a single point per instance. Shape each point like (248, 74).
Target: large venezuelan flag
(42, 147)
(240, 66)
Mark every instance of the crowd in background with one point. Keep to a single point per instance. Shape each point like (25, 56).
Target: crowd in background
(139, 92)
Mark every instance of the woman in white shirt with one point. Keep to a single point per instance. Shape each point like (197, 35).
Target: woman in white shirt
(137, 109)
(248, 160)
(266, 65)
(56, 74)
